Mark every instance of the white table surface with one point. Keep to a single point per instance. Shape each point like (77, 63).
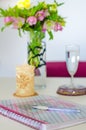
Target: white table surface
(8, 87)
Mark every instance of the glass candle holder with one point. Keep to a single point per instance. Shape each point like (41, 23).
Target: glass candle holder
(25, 81)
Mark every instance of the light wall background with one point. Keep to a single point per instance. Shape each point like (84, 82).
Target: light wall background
(13, 49)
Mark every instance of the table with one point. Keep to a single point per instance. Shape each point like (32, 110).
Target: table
(8, 87)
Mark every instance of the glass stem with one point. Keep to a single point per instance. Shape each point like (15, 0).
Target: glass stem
(72, 83)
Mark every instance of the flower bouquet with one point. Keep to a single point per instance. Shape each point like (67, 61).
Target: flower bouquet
(35, 19)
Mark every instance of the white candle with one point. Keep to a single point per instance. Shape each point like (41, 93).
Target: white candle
(25, 80)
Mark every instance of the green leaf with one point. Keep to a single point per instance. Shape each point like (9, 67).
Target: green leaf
(53, 16)
(58, 4)
(2, 12)
(50, 35)
(19, 31)
(6, 25)
(2, 29)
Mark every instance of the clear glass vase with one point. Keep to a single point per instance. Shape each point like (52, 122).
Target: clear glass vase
(37, 56)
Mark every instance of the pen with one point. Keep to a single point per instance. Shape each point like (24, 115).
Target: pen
(55, 109)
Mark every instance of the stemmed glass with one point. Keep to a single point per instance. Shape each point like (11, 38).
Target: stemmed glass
(72, 62)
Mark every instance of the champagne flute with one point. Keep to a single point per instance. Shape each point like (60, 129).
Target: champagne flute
(72, 62)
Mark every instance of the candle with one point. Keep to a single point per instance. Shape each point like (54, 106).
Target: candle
(25, 80)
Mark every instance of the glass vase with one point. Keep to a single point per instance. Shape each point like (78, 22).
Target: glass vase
(36, 56)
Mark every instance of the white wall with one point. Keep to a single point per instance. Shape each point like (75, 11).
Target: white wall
(13, 49)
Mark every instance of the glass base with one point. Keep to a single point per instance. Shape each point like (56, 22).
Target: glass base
(69, 91)
(40, 82)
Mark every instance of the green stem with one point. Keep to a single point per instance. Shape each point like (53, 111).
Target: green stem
(35, 54)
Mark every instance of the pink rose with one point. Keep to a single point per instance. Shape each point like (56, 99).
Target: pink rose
(31, 20)
(18, 22)
(40, 15)
(8, 20)
(57, 27)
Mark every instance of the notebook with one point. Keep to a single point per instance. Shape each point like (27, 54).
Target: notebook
(21, 110)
